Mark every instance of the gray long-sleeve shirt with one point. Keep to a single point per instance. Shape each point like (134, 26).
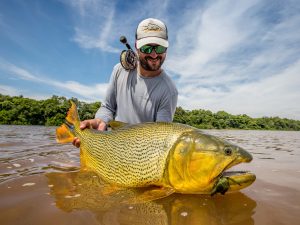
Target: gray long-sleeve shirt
(132, 98)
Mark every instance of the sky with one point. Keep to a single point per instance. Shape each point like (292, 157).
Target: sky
(242, 57)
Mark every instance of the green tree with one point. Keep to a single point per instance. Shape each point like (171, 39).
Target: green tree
(52, 112)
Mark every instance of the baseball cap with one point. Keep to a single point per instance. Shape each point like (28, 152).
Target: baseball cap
(151, 31)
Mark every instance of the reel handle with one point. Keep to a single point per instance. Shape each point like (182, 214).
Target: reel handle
(123, 40)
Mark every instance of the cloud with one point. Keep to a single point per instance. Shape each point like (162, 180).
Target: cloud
(94, 20)
(99, 23)
(232, 61)
(89, 93)
(275, 95)
(211, 34)
(8, 90)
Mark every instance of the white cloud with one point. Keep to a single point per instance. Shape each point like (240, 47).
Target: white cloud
(93, 23)
(99, 23)
(94, 92)
(8, 90)
(276, 95)
(230, 57)
(212, 32)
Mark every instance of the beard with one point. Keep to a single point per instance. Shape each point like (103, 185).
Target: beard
(151, 66)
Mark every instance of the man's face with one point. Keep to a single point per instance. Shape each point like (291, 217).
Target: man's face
(151, 61)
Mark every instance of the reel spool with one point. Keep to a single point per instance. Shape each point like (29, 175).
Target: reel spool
(128, 58)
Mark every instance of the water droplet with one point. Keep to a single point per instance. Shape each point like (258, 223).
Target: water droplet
(184, 214)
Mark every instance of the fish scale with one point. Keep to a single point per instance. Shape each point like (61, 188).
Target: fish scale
(131, 150)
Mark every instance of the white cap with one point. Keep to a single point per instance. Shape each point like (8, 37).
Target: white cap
(151, 31)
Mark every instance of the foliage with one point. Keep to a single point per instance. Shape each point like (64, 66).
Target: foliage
(52, 112)
(205, 119)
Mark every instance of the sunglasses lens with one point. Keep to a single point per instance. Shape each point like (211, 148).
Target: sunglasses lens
(148, 49)
(160, 49)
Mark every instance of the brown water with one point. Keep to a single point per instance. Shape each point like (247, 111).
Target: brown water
(40, 183)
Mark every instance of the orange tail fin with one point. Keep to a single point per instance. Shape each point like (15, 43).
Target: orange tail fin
(65, 133)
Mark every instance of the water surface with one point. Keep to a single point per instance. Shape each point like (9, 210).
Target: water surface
(40, 183)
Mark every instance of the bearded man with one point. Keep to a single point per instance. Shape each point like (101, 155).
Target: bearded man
(144, 94)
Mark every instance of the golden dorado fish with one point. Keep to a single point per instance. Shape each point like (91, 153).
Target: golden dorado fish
(171, 157)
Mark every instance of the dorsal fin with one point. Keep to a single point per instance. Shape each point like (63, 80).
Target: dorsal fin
(116, 124)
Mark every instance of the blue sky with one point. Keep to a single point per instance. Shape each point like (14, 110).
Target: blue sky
(239, 56)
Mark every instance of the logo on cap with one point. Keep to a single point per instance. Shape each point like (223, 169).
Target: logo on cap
(152, 28)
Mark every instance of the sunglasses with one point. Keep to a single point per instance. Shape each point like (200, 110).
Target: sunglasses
(147, 49)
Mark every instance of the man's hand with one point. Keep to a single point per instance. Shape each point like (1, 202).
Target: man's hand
(96, 124)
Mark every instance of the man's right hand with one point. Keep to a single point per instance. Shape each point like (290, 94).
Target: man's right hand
(96, 124)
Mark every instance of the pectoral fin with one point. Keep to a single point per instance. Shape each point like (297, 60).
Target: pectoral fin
(150, 195)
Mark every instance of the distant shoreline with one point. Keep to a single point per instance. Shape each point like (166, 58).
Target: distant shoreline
(17, 110)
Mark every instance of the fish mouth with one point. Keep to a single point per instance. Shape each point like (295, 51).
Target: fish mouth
(238, 180)
(230, 181)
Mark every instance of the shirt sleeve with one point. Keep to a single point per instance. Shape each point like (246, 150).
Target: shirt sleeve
(108, 108)
(167, 109)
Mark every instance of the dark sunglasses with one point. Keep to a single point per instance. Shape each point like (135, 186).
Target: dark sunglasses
(147, 49)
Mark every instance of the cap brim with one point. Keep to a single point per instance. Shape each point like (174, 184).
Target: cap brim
(151, 40)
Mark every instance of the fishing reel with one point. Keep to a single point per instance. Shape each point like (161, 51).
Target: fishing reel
(128, 58)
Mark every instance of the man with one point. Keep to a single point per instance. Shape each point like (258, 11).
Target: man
(145, 94)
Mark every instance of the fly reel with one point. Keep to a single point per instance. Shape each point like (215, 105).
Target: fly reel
(128, 58)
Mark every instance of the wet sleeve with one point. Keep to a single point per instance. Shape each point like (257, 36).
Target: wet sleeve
(108, 108)
(167, 109)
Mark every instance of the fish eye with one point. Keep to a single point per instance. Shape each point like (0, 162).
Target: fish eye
(227, 150)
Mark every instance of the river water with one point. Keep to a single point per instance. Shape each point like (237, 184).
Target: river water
(40, 183)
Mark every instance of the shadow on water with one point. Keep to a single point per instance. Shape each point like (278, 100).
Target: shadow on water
(75, 191)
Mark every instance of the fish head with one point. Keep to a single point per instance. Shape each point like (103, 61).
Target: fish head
(198, 163)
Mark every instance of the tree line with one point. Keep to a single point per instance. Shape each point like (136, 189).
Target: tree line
(18, 110)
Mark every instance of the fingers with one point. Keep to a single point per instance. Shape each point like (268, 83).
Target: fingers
(93, 123)
(85, 124)
(76, 142)
(102, 126)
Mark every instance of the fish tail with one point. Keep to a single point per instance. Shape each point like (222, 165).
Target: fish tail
(65, 133)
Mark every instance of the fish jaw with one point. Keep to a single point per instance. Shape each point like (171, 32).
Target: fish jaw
(197, 162)
(233, 181)
(239, 179)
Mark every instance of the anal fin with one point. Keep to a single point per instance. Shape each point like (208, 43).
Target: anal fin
(150, 195)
